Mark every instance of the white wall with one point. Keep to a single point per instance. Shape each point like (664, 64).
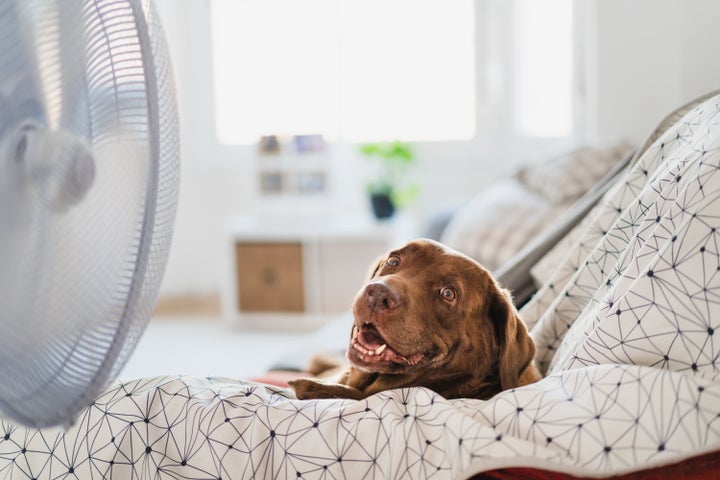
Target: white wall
(214, 183)
(643, 58)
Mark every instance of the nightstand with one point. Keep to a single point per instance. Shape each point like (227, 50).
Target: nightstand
(296, 273)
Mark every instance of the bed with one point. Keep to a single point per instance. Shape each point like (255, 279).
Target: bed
(627, 325)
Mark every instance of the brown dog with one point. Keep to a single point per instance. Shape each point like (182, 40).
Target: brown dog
(435, 318)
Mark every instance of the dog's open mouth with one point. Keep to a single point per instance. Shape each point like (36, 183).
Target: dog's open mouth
(369, 347)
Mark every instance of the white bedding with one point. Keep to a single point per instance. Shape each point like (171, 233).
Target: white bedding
(592, 421)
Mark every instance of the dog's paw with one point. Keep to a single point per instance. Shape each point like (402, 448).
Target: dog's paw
(307, 388)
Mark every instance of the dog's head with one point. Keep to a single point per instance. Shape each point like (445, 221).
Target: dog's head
(427, 307)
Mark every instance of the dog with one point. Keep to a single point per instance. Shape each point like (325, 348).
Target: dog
(431, 317)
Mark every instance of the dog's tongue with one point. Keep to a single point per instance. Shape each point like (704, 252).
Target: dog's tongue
(370, 338)
(367, 340)
(372, 348)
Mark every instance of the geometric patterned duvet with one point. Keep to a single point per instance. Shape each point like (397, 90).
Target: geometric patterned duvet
(596, 420)
(628, 333)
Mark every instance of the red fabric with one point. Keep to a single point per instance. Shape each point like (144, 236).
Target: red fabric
(703, 467)
(279, 378)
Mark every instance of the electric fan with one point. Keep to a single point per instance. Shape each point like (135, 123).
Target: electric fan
(89, 173)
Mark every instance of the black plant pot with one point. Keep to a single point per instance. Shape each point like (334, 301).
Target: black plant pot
(382, 205)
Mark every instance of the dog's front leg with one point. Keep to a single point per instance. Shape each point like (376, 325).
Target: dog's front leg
(308, 388)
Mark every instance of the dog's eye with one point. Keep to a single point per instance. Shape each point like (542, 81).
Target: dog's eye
(393, 261)
(448, 293)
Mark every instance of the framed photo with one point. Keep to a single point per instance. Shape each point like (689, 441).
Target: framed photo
(309, 143)
(269, 145)
(271, 182)
(311, 182)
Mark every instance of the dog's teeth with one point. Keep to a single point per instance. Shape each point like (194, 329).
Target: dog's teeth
(380, 349)
(355, 333)
(360, 348)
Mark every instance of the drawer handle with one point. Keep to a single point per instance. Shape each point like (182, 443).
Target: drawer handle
(269, 276)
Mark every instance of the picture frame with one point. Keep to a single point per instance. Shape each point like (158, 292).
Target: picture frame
(311, 182)
(272, 182)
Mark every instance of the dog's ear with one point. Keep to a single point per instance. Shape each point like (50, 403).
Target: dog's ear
(517, 349)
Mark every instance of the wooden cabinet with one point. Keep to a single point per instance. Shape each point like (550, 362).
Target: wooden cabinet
(297, 275)
(269, 277)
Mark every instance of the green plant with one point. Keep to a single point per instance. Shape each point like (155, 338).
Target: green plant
(394, 159)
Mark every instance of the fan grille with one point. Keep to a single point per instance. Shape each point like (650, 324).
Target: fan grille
(81, 269)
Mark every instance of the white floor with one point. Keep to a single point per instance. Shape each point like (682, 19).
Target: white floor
(206, 347)
(209, 347)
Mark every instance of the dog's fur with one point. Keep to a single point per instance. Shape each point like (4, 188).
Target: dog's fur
(446, 325)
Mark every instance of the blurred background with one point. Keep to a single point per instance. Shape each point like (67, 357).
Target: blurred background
(291, 113)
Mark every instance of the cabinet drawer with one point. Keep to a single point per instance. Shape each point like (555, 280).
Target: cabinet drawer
(269, 277)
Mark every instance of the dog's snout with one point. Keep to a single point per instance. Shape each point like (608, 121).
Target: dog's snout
(380, 297)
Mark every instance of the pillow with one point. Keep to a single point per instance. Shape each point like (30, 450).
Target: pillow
(497, 223)
(565, 178)
(500, 221)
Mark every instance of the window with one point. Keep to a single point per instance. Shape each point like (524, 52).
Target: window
(543, 67)
(353, 70)
(415, 70)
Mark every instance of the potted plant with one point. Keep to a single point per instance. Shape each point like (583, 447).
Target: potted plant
(393, 161)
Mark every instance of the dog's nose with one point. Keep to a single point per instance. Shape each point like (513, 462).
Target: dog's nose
(380, 297)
